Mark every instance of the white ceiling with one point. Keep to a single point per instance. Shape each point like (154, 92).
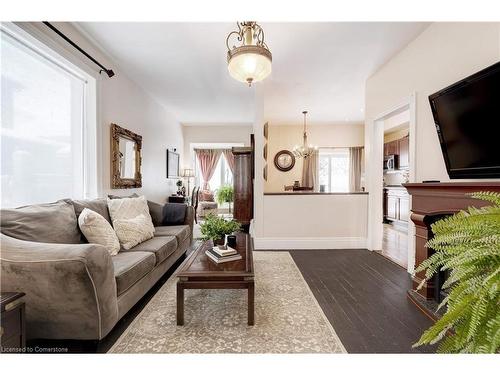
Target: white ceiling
(321, 67)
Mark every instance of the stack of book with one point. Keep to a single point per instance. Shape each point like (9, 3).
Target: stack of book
(222, 254)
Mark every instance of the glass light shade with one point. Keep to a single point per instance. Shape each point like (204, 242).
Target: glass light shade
(249, 67)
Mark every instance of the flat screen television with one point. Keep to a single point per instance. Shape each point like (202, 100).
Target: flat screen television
(467, 118)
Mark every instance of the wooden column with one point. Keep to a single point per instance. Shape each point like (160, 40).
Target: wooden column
(243, 185)
(431, 202)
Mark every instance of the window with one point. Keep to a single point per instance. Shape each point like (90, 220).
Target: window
(46, 129)
(222, 174)
(334, 169)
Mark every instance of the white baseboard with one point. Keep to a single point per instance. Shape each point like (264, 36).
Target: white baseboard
(304, 243)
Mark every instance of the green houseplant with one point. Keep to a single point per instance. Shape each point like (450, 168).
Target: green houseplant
(225, 194)
(467, 244)
(216, 227)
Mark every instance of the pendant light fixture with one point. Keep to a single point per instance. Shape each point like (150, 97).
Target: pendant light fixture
(305, 150)
(250, 61)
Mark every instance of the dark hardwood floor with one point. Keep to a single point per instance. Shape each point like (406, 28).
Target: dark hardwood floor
(364, 296)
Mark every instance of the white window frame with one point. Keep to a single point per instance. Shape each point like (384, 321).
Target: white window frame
(90, 171)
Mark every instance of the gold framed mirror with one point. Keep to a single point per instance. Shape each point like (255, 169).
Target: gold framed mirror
(125, 158)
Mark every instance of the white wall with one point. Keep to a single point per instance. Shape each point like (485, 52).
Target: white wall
(320, 221)
(122, 101)
(443, 54)
(227, 133)
(285, 137)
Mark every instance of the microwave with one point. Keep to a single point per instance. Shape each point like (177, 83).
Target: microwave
(390, 162)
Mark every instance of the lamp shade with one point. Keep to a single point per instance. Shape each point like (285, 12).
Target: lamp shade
(250, 61)
(187, 172)
(250, 65)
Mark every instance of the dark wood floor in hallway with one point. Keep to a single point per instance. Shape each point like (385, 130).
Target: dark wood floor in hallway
(364, 297)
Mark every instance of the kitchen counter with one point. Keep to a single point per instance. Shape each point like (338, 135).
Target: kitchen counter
(315, 193)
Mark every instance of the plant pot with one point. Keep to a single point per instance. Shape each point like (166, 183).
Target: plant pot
(219, 241)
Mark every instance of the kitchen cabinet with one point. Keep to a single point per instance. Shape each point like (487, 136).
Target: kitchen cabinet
(392, 207)
(397, 205)
(391, 148)
(404, 152)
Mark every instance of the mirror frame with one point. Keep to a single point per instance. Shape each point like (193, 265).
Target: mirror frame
(117, 182)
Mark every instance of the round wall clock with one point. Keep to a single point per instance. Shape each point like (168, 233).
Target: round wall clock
(284, 160)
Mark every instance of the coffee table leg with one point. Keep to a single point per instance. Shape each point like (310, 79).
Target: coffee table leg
(180, 304)
(251, 304)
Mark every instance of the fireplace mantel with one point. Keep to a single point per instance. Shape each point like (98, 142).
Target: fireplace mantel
(431, 202)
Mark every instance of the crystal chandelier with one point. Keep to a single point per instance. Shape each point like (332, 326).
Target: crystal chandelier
(251, 60)
(305, 150)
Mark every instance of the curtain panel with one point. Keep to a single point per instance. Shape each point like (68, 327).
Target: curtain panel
(310, 175)
(208, 159)
(228, 154)
(355, 158)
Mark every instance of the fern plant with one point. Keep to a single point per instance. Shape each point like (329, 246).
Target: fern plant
(468, 245)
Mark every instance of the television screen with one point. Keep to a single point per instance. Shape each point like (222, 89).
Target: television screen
(467, 118)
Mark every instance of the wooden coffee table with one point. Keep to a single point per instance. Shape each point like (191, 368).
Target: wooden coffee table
(199, 272)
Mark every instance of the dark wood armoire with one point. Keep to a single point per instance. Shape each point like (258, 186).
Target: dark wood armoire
(243, 185)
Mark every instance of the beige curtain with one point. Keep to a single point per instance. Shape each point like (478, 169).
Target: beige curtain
(208, 162)
(355, 159)
(310, 171)
(228, 154)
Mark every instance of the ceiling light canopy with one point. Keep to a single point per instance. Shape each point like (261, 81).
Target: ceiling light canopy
(250, 61)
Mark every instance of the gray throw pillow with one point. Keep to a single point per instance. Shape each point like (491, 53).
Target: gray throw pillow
(50, 222)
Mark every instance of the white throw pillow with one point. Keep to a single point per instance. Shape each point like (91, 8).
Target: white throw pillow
(97, 229)
(127, 220)
(132, 232)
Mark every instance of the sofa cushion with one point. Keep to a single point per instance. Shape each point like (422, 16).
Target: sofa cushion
(174, 214)
(97, 205)
(161, 247)
(131, 220)
(97, 230)
(130, 267)
(181, 232)
(132, 232)
(50, 222)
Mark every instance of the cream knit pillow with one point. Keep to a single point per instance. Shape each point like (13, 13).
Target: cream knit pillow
(133, 231)
(131, 220)
(96, 229)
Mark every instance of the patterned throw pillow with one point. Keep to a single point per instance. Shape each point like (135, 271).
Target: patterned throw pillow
(97, 229)
(133, 231)
(125, 215)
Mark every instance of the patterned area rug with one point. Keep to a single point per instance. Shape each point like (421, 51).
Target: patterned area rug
(288, 318)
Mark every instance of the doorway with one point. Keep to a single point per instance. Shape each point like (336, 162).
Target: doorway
(392, 163)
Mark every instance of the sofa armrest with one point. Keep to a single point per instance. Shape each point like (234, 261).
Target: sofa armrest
(70, 289)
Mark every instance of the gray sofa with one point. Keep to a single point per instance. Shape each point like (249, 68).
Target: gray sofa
(74, 289)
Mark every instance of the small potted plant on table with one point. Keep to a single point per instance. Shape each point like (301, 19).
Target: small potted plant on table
(215, 228)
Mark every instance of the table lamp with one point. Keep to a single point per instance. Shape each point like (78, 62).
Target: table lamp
(188, 173)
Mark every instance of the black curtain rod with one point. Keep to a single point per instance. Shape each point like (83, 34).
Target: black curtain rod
(109, 72)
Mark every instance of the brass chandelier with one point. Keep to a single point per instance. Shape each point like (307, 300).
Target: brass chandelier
(305, 150)
(250, 61)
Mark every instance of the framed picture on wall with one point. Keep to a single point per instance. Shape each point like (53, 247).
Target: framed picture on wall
(172, 164)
